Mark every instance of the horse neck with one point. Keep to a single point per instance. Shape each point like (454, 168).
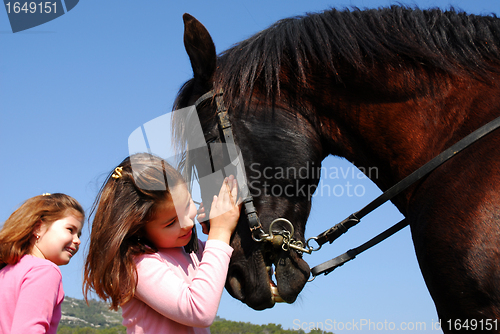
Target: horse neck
(397, 132)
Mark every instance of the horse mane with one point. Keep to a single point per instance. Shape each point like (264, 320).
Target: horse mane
(283, 54)
(450, 41)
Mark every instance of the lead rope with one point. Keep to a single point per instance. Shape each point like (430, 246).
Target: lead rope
(336, 231)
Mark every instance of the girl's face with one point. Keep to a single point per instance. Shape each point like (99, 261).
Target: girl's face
(59, 241)
(174, 220)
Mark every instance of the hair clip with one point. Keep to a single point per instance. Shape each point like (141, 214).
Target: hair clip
(117, 173)
(46, 194)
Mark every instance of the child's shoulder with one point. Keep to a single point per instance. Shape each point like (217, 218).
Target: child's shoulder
(201, 245)
(33, 266)
(30, 261)
(168, 255)
(201, 248)
(141, 257)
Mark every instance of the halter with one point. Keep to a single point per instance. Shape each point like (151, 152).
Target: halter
(224, 127)
(284, 238)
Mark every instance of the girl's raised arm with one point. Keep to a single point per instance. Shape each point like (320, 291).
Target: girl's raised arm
(224, 213)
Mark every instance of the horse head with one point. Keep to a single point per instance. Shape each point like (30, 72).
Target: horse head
(388, 88)
(282, 154)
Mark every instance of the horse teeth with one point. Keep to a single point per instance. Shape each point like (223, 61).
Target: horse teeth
(270, 270)
(270, 273)
(276, 296)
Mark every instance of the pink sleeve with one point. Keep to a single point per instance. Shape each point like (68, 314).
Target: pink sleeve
(192, 304)
(41, 290)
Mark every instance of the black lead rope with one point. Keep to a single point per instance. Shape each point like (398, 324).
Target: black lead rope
(336, 231)
(328, 266)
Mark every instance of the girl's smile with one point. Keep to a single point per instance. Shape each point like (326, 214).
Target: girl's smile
(59, 241)
(71, 250)
(188, 235)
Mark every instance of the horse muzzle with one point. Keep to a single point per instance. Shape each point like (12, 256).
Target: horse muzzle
(266, 278)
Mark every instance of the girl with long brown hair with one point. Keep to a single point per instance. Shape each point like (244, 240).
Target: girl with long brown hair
(143, 253)
(40, 235)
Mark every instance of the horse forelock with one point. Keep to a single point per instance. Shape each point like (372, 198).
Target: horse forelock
(283, 54)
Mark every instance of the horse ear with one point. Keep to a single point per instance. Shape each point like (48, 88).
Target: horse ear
(200, 49)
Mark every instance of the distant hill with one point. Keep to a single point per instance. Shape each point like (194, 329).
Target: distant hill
(96, 318)
(76, 313)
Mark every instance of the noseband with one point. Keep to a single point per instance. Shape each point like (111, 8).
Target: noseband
(284, 238)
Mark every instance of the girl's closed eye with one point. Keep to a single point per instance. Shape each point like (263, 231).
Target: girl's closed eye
(171, 223)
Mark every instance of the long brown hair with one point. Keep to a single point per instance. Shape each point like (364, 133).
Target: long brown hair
(125, 203)
(18, 230)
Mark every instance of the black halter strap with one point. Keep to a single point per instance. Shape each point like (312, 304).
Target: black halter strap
(225, 128)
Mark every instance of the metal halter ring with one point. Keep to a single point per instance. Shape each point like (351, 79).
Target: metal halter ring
(277, 220)
(285, 238)
(310, 247)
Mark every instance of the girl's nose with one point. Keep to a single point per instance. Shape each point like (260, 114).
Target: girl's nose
(76, 240)
(192, 210)
(187, 223)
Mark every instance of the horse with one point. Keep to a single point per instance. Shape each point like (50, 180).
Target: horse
(387, 88)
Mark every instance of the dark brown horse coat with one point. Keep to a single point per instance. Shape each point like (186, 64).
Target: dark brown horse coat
(388, 88)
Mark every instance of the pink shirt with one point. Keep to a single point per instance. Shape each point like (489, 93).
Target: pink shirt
(31, 294)
(178, 292)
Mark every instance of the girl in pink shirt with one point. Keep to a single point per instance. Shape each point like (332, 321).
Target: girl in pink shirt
(144, 255)
(39, 236)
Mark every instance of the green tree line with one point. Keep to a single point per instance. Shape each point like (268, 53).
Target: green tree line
(221, 326)
(96, 318)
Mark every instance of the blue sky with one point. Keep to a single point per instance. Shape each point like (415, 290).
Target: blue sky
(72, 91)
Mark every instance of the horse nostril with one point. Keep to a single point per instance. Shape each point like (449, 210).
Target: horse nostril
(236, 286)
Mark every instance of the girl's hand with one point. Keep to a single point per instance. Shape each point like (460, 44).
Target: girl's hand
(201, 219)
(224, 213)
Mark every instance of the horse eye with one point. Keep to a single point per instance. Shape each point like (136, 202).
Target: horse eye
(212, 140)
